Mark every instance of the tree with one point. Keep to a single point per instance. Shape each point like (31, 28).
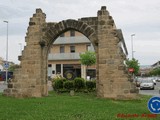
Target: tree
(133, 64)
(155, 72)
(13, 67)
(88, 58)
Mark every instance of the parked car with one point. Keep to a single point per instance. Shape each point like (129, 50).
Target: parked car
(158, 80)
(147, 84)
(3, 75)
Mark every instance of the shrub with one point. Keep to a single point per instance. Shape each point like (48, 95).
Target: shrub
(57, 84)
(79, 83)
(90, 85)
(63, 79)
(69, 85)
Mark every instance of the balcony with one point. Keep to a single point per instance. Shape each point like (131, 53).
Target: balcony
(64, 56)
(122, 42)
(72, 40)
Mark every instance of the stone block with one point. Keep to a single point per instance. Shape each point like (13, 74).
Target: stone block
(14, 91)
(120, 97)
(10, 85)
(134, 91)
(126, 91)
(102, 61)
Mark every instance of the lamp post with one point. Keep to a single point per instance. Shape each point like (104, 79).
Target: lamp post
(132, 53)
(6, 53)
(132, 45)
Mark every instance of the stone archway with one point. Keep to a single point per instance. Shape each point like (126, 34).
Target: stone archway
(30, 80)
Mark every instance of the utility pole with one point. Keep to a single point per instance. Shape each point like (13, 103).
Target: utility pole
(6, 63)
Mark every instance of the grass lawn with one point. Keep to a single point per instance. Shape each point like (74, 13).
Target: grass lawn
(82, 106)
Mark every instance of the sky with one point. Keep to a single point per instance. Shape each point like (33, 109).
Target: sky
(139, 17)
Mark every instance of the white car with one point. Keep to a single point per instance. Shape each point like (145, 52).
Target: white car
(158, 80)
(147, 84)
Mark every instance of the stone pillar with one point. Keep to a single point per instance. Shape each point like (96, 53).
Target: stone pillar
(112, 79)
(28, 80)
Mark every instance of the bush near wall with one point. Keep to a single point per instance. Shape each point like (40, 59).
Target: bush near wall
(79, 83)
(57, 83)
(90, 85)
(68, 85)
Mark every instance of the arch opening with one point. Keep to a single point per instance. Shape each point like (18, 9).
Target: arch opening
(64, 56)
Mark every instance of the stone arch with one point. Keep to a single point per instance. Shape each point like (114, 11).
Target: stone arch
(30, 80)
(54, 31)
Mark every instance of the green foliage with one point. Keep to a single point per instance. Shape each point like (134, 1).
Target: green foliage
(59, 78)
(90, 85)
(13, 67)
(133, 64)
(155, 72)
(88, 58)
(69, 85)
(79, 83)
(57, 84)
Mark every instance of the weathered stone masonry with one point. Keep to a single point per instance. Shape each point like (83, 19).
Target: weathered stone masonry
(30, 80)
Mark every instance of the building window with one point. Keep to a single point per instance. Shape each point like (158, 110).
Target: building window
(62, 35)
(72, 33)
(53, 71)
(62, 49)
(88, 47)
(91, 73)
(58, 68)
(72, 49)
(49, 65)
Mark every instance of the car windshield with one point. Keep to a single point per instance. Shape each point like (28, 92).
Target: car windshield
(147, 81)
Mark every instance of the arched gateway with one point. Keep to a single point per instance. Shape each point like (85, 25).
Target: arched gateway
(30, 80)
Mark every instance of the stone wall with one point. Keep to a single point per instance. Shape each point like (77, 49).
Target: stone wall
(112, 78)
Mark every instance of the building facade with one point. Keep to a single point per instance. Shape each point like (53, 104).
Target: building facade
(64, 56)
(156, 65)
(1, 64)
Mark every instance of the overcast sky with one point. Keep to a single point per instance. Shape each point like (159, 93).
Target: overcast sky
(139, 17)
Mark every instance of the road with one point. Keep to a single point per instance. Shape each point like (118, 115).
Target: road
(155, 92)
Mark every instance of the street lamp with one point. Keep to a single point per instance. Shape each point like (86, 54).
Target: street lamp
(6, 53)
(132, 45)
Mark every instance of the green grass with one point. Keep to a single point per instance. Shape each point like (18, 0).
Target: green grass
(82, 106)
